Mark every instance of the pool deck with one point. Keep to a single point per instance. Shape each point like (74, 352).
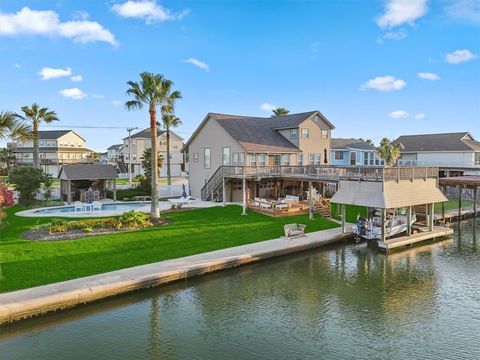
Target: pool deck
(25, 303)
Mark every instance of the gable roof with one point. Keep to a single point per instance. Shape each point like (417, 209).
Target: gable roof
(55, 134)
(114, 147)
(344, 144)
(145, 134)
(461, 141)
(87, 172)
(260, 133)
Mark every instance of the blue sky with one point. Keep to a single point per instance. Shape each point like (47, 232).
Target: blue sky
(374, 68)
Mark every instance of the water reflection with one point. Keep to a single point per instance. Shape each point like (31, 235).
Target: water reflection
(338, 302)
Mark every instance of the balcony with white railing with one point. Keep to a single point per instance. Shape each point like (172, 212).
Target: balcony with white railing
(440, 163)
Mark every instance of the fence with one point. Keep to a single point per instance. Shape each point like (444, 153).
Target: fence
(55, 194)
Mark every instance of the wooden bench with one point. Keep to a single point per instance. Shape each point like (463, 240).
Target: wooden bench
(294, 230)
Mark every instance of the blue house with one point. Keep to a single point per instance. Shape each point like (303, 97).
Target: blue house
(351, 152)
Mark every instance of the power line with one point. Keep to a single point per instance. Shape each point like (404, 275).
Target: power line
(101, 127)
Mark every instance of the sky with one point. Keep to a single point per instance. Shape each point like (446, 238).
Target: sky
(374, 68)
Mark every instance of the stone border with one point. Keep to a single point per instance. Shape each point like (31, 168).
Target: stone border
(30, 302)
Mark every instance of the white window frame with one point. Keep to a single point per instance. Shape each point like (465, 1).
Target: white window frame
(207, 165)
(286, 159)
(195, 157)
(299, 159)
(225, 157)
(293, 133)
(305, 133)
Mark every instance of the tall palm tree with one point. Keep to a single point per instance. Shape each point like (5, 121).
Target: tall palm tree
(13, 127)
(153, 90)
(280, 112)
(170, 120)
(388, 152)
(36, 115)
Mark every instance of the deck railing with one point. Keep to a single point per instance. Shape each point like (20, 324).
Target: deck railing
(332, 173)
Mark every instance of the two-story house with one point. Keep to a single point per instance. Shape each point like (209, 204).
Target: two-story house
(57, 147)
(353, 152)
(114, 152)
(134, 147)
(234, 140)
(454, 153)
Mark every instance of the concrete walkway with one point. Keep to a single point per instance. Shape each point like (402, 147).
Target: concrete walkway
(42, 299)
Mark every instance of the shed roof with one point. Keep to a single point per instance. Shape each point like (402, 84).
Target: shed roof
(340, 144)
(389, 194)
(461, 141)
(87, 172)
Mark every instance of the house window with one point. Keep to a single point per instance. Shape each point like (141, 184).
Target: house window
(277, 159)
(324, 134)
(238, 159)
(353, 158)
(226, 156)
(314, 159)
(207, 158)
(305, 133)
(299, 160)
(293, 133)
(195, 157)
(366, 156)
(338, 155)
(262, 159)
(286, 160)
(253, 160)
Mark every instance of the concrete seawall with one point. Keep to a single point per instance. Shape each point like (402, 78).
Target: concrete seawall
(22, 304)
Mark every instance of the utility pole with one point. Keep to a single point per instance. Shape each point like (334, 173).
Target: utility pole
(130, 153)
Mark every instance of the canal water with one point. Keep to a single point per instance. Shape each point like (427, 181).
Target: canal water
(340, 302)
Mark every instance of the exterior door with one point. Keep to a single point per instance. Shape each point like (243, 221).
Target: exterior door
(353, 158)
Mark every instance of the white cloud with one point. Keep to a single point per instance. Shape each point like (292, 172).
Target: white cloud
(73, 93)
(384, 84)
(116, 102)
(147, 10)
(420, 116)
(76, 78)
(428, 76)
(267, 107)
(47, 23)
(198, 63)
(98, 96)
(48, 73)
(399, 12)
(394, 35)
(17, 65)
(460, 56)
(464, 10)
(399, 114)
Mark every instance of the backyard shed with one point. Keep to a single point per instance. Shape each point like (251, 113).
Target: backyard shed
(77, 180)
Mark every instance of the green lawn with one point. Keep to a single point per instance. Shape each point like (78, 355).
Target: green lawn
(25, 264)
(452, 204)
(351, 212)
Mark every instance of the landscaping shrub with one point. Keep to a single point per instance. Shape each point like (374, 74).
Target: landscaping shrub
(27, 180)
(6, 199)
(130, 193)
(132, 219)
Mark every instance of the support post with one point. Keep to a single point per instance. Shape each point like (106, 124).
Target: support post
(224, 192)
(460, 191)
(409, 221)
(69, 192)
(114, 189)
(310, 201)
(475, 200)
(244, 190)
(431, 210)
(384, 215)
(343, 217)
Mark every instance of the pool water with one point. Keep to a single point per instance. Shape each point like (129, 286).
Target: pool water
(105, 207)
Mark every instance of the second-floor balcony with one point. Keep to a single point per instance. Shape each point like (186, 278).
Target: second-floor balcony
(29, 161)
(441, 163)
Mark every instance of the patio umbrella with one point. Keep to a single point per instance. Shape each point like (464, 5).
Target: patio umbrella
(184, 192)
(90, 196)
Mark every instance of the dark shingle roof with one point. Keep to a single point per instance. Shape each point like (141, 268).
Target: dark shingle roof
(438, 142)
(116, 146)
(87, 172)
(260, 134)
(339, 143)
(51, 134)
(145, 134)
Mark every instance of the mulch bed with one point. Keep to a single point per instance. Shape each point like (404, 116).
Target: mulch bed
(44, 234)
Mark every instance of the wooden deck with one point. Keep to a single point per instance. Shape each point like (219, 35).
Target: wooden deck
(438, 231)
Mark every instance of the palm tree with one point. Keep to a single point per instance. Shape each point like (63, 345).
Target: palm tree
(388, 152)
(37, 115)
(7, 158)
(12, 127)
(153, 90)
(170, 120)
(280, 112)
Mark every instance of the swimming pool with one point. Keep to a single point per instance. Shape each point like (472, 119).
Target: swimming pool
(108, 209)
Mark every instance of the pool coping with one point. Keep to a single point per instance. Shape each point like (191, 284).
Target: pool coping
(21, 304)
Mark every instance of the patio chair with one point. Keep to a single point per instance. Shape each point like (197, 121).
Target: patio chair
(97, 206)
(294, 230)
(96, 195)
(78, 206)
(181, 201)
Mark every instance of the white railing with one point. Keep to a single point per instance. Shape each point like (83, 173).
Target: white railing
(172, 190)
(443, 163)
(55, 194)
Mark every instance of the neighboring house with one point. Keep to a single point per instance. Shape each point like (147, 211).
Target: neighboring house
(141, 141)
(57, 147)
(353, 152)
(454, 153)
(114, 152)
(291, 140)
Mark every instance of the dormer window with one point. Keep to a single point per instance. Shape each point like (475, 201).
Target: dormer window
(293, 133)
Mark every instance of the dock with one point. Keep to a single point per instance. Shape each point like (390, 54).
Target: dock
(423, 235)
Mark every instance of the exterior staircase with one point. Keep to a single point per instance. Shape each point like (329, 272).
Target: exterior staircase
(322, 206)
(213, 188)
